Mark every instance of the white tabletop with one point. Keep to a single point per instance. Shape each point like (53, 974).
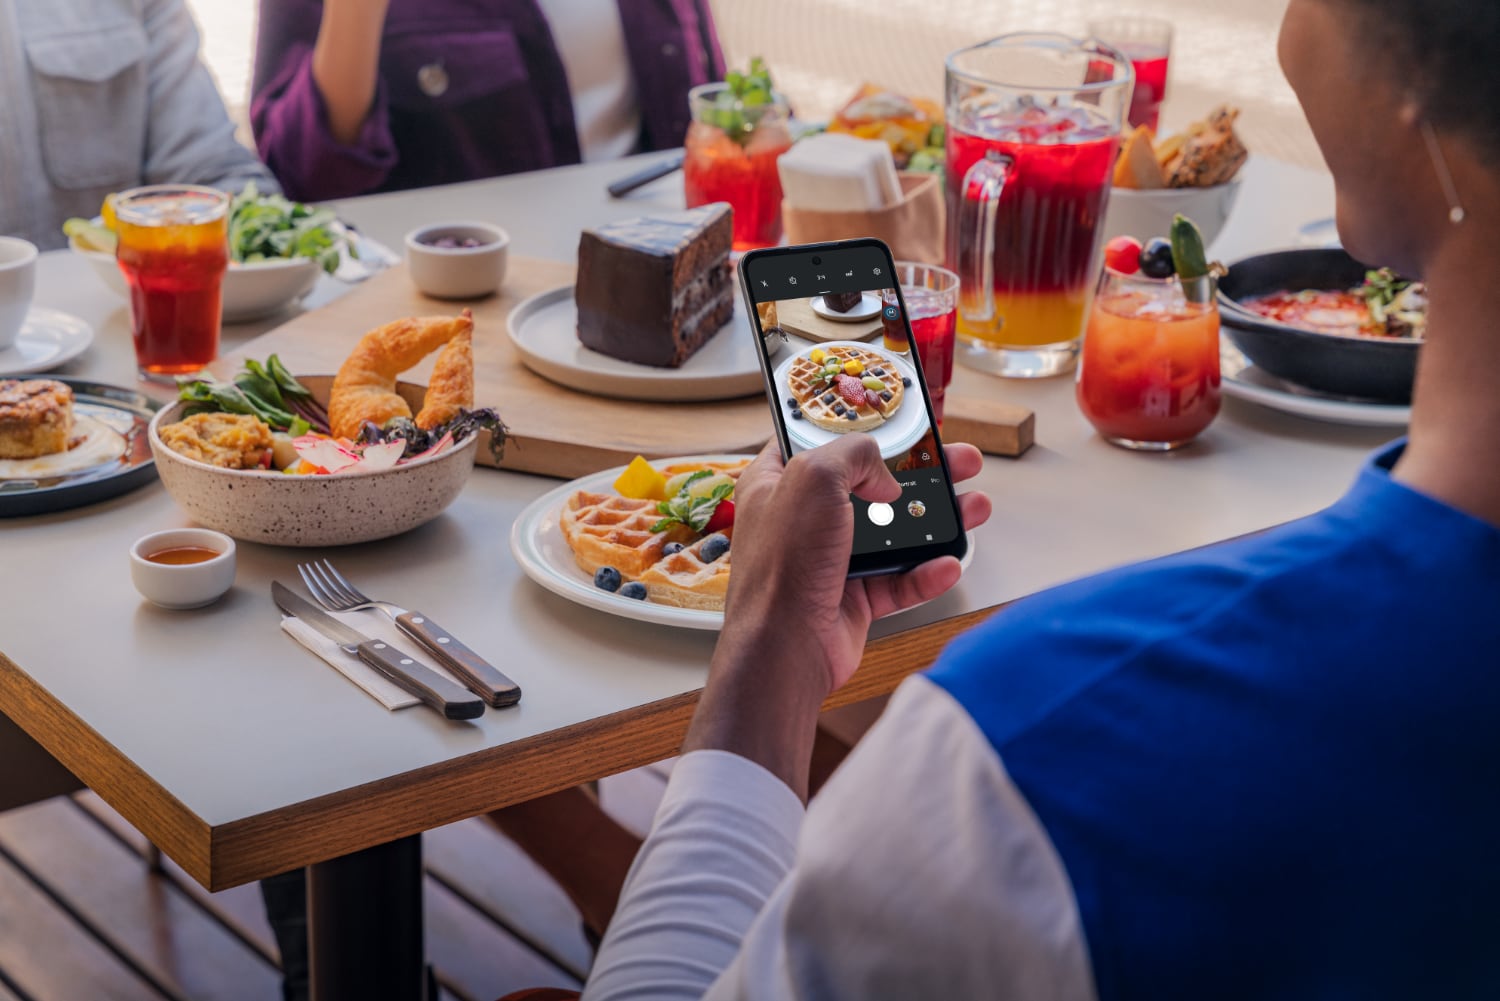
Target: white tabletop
(227, 715)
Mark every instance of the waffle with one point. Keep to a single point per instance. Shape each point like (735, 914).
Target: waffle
(607, 530)
(823, 406)
(684, 580)
(733, 469)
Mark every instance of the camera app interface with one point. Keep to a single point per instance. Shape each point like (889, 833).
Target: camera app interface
(843, 364)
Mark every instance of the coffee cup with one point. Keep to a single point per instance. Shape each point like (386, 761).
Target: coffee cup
(17, 283)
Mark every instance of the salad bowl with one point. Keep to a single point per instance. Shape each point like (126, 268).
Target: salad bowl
(251, 291)
(336, 509)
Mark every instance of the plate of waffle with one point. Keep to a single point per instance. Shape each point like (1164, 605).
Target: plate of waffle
(567, 537)
(843, 386)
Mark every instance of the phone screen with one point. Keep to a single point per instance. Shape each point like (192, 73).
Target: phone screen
(848, 365)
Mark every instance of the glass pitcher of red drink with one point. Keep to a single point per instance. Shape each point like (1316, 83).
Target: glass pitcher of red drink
(1033, 126)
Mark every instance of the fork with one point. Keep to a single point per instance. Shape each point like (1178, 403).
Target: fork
(335, 593)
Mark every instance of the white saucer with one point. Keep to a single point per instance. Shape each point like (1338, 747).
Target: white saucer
(48, 338)
(894, 437)
(544, 330)
(1245, 381)
(868, 309)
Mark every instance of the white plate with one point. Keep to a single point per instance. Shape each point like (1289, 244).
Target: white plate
(537, 543)
(868, 309)
(895, 436)
(1247, 382)
(544, 329)
(48, 338)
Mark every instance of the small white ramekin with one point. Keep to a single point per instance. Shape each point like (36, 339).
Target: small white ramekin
(186, 585)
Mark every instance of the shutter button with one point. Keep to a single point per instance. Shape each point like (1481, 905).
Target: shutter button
(433, 79)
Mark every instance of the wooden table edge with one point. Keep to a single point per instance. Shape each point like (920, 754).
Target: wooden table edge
(337, 824)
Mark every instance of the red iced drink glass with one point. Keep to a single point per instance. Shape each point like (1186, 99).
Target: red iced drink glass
(1147, 43)
(730, 156)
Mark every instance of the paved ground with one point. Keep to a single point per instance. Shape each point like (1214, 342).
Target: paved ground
(820, 50)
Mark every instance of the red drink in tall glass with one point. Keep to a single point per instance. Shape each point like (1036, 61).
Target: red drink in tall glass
(739, 169)
(934, 326)
(173, 250)
(1150, 87)
(1046, 223)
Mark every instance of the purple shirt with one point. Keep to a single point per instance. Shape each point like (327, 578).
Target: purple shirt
(467, 89)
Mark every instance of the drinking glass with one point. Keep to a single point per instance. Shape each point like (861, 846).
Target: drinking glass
(1033, 127)
(931, 295)
(730, 156)
(173, 250)
(1149, 378)
(1147, 43)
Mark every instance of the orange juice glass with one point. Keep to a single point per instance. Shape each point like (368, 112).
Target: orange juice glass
(1149, 377)
(1033, 123)
(173, 250)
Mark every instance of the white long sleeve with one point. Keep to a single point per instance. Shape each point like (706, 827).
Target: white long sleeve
(920, 871)
(723, 838)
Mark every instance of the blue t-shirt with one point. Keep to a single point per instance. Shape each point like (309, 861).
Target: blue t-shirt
(1269, 767)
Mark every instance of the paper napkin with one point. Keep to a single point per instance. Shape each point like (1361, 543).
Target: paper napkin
(375, 626)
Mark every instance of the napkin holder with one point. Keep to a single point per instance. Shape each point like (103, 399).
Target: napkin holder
(913, 227)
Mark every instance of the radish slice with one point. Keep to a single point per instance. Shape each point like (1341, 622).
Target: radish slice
(380, 456)
(441, 446)
(328, 453)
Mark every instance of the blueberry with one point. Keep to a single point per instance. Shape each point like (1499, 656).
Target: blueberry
(828, 397)
(713, 547)
(906, 380)
(791, 403)
(796, 415)
(853, 415)
(877, 371)
(635, 589)
(672, 547)
(886, 395)
(607, 579)
(838, 408)
(1156, 259)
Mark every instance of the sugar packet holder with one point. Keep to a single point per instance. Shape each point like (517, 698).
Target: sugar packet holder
(913, 227)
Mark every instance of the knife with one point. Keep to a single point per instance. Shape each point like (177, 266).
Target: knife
(407, 674)
(625, 185)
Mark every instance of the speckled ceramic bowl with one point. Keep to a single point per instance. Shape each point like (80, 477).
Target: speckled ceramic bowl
(333, 510)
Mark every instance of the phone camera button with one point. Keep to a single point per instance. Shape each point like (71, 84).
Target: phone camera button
(881, 514)
(891, 312)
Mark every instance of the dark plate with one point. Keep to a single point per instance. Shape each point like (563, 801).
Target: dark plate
(1371, 368)
(126, 411)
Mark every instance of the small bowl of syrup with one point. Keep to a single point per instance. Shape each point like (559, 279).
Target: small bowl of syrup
(183, 567)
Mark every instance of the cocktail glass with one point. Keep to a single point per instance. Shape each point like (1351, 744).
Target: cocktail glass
(730, 156)
(1033, 127)
(1149, 378)
(931, 295)
(173, 250)
(1147, 43)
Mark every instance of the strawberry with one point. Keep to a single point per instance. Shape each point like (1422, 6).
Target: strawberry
(722, 518)
(851, 389)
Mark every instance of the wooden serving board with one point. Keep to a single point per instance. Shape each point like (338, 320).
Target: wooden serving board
(555, 431)
(796, 316)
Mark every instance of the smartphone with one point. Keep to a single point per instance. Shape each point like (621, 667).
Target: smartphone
(847, 294)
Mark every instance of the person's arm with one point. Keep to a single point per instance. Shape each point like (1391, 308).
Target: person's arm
(920, 871)
(346, 62)
(189, 137)
(318, 111)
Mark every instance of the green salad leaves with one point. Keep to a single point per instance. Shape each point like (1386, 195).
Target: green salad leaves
(265, 390)
(267, 227)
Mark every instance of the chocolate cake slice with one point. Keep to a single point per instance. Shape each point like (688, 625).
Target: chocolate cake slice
(841, 302)
(654, 289)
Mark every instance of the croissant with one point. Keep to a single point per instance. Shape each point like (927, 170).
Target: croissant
(451, 387)
(365, 387)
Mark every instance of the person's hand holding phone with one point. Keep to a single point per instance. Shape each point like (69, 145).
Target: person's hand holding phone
(795, 624)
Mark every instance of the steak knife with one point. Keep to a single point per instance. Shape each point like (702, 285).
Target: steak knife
(406, 673)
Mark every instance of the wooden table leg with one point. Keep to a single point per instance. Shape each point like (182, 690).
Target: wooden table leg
(364, 924)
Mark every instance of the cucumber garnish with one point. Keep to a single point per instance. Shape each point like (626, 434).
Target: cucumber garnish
(1190, 260)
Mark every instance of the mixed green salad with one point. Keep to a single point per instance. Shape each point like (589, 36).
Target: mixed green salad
(262, 227)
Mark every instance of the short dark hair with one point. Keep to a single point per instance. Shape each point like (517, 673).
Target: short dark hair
(1450, 48)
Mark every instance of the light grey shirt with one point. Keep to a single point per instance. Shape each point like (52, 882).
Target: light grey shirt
(102, 95)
